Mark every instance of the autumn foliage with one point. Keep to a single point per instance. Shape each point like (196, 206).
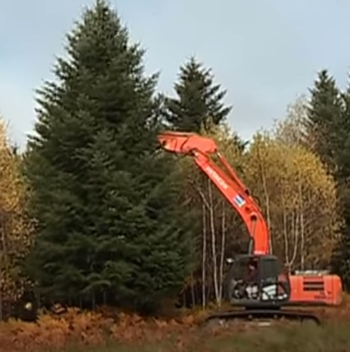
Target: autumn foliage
(15, 227)
(294, 191)
(88, 328)
(298, 198)
(108, 326)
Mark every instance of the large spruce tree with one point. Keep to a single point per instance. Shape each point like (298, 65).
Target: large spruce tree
(325, 119)
(328, 127)
(198, 102)
(107, 222)
(342, 257)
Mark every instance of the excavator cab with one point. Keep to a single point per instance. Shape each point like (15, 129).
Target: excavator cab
(257, 281)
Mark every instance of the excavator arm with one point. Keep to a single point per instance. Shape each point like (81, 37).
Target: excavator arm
(226, 180)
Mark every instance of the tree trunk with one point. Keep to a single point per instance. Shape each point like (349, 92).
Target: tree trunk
(204, 256)
(285, 233)
(296, 236)
(193, 294)
(222, 251)
(302, 229)
(267, 205)
(213, 244)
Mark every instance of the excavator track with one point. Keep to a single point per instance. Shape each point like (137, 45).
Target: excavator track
(263, 314)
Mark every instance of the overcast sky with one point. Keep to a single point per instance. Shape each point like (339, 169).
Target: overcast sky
(264, 52)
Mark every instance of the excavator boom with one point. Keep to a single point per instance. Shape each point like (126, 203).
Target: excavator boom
(233, 189)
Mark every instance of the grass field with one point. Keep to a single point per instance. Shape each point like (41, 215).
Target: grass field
(99, 332)
(330, 338)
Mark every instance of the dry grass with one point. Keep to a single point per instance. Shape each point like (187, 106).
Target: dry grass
(110, 331)
(332, 338)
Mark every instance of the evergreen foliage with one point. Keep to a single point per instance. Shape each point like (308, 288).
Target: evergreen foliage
(198, 102)
(329, 131)
(107, 222)
(325, 119)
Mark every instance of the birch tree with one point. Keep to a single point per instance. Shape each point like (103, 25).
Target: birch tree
(292, 130)
(15, 228)
(220, 232)
(299, 198)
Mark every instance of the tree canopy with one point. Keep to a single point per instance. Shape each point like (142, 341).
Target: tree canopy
(199, 101)
(15, 226)
(108, 225)
(298, 199)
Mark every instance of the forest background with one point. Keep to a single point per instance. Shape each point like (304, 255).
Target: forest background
(92, 212)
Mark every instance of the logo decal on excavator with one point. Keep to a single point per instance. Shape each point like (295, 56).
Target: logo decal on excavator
(216, 177)
(239, 200)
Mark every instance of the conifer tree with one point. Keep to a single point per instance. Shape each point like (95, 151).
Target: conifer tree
(108, 228)
(325, 119)
(329, 129)
(342, 255)
(198, 102)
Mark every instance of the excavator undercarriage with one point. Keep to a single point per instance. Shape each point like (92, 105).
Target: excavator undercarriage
(260, 291)
(262, 316)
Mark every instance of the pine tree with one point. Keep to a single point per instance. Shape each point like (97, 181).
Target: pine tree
(342, 255)
(325, 119)
(329, 129)
(108, 228)
(198, 101)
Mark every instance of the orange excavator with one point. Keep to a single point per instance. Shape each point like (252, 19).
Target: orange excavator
(269, 286)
